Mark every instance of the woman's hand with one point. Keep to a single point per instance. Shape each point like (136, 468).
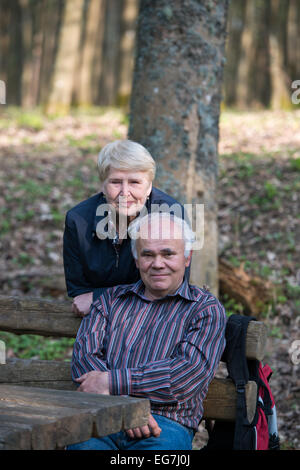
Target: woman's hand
(82, 303)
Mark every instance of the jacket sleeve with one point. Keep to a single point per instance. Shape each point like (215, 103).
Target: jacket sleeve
(76, 282)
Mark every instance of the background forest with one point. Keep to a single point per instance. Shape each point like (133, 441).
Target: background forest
(67, 67)
(81, 52)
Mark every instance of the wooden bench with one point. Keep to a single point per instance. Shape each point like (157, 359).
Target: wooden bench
(55, 318)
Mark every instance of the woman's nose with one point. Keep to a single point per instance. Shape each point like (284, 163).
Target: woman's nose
(124, 188)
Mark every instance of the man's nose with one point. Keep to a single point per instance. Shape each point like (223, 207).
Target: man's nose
(158, 262)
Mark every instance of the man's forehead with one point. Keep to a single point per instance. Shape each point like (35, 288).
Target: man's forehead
(160, 229)
(160, 245)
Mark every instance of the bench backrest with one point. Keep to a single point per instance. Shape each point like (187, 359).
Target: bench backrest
(55, 318)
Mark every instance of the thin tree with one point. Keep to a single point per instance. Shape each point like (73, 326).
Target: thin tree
(175, 107)
(63, 77)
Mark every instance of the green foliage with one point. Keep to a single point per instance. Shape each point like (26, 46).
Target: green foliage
(30, 121)
(33, 346)
(231, 305)
(295, 164)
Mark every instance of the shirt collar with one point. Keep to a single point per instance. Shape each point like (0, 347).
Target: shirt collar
(138, 288)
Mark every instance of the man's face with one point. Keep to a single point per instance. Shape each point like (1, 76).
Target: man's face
(161, 259)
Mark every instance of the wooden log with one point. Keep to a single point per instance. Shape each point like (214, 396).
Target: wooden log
(50, 426)
(256, 340)
(15, 436)
(220, 402)
(37, 373)
(109, 414)
(38, 316)
(252, 292)
(55, 318)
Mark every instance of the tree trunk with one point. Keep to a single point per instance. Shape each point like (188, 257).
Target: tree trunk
(293, 39)
(127, 47)
(52, 18)
(281, 82)
(66, 59)
(111, 54)
(11, 50)
(175, 108)
(236, 20)
(93, 40)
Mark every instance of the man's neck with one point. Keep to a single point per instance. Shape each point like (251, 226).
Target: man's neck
(156, 295)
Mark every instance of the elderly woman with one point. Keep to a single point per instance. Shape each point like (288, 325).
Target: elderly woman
(96, 246)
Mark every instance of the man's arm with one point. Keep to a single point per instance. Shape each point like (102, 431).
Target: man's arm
(88, 353)
(189, 369)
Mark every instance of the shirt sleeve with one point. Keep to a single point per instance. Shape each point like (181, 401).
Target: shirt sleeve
(187, 372)
(88, 349)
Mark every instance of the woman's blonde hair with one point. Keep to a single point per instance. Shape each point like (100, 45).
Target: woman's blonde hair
(125, 155)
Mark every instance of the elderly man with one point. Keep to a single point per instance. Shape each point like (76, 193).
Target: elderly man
(159, 338)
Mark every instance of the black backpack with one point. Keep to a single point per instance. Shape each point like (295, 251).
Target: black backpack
(262, 432)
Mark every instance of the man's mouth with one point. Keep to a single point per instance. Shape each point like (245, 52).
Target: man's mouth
(159, 275)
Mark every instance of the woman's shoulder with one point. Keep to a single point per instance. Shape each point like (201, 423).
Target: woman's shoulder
(85, 210)
(160, 197)
(88, 204)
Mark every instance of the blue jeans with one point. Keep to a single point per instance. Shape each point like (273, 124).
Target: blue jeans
(173, 436)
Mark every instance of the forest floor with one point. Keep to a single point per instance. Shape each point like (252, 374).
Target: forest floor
(48, 165)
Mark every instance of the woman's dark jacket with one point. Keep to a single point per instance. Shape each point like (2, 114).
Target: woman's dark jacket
(92, 264)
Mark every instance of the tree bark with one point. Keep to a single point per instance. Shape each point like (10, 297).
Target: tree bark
(93, 41)
(111, 54)
(127, 47)
(175, 107)
(62, 88)
(280, 97)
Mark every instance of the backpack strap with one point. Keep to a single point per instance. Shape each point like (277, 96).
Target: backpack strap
(237, 366)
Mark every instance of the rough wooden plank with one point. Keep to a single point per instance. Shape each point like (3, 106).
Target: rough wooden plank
(56, 374)
(55, 318)
(110, 413)
(220, 402)
(15, 436)
(38, 316)
(51, 427)
(257, 334)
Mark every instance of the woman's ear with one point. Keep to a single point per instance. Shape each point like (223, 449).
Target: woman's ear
(149, 189)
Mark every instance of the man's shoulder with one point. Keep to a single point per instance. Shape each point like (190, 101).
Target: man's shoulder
(110, 293)
(204, 297)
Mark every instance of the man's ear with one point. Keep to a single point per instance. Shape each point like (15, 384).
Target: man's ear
(188, 259)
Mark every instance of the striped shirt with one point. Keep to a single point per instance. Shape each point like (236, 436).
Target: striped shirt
(166, 350)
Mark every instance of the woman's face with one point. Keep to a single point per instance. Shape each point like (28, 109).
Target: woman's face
(127, 191)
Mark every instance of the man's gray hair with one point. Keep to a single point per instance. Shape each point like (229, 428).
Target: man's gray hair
(188, 235)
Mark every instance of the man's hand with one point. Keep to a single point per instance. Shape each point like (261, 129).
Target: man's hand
(152, 429)
(94, 382)
(82, 303)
